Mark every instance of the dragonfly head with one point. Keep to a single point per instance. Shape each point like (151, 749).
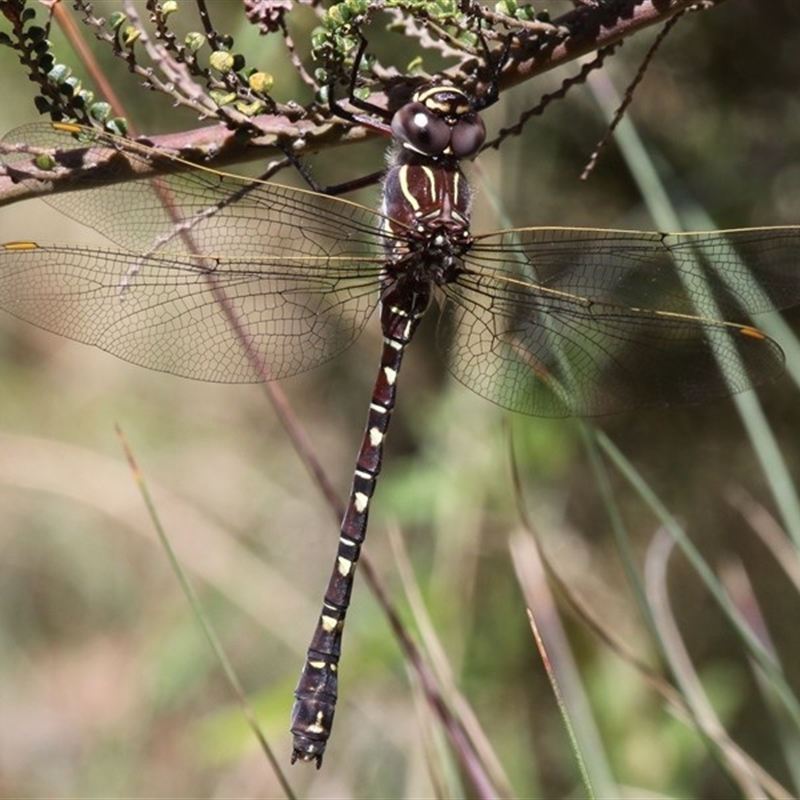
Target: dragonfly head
(439, 121)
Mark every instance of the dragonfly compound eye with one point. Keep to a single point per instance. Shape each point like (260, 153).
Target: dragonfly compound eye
(467, 136)
(420, 129)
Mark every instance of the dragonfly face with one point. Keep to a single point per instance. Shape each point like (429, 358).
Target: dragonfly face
(543, 321)
(440, 123)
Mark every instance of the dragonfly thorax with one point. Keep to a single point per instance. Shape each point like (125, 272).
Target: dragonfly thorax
(428, 214)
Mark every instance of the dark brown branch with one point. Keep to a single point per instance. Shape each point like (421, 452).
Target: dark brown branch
(593, 27)
(210, 146)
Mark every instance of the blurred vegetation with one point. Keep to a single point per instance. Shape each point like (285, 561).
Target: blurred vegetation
(107, 687)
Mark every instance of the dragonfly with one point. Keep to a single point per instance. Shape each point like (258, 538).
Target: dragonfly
(216, 272)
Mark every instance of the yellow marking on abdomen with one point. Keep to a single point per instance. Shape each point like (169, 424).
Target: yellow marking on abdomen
(344, 565)
(317, 726)
(329, 624)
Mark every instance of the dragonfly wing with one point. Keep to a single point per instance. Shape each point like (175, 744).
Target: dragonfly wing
(560, 322)
(189, 208)
(223, 320)
(720, 274)
(216, 268)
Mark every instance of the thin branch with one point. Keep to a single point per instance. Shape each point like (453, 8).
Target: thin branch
(593, 27)
(210, 146)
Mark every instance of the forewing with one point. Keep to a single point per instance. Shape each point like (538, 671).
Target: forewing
(187, 208)
(216, 269)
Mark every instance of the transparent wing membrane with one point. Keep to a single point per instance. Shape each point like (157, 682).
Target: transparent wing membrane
(181, 316)
(589, 322)
(297, 270)
(555, 356)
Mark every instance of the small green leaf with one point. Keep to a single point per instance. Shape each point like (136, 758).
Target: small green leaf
(42, 104)
(59, 73)
(319, 37)
(71, 86)
(46, 62)
(323, 94)
(36, 33)
(335, 17)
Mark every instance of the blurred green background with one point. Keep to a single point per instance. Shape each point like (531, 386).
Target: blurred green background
(107, 687)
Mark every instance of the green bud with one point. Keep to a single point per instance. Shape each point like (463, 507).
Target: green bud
(116, 20)
(221, 61)
(222, 98)
(130, 35)
(44, 161)
(250, 109)
(260, 81)
(100, 111)
(194, 40)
